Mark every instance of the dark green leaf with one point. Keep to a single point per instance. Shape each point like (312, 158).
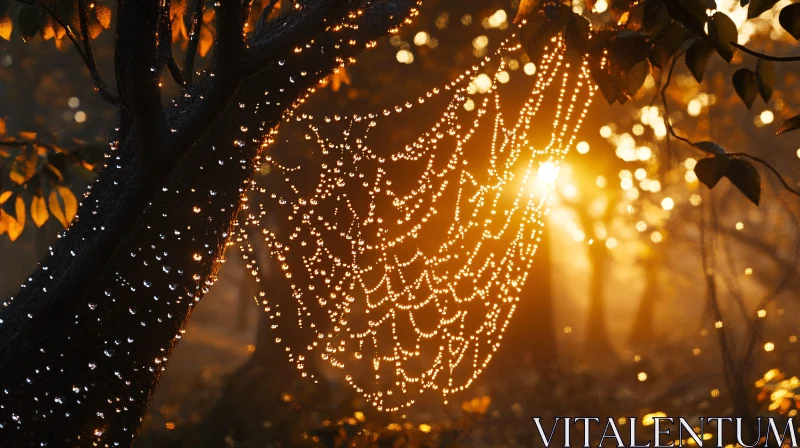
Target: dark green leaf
(30, 21)
(667, 44)
(697, 57)
(604, 82)
(628, 49)
(744, 82)
(691, 13)
(631, 80)
(710, 147)
(536, 34)
(745, 177)
(576, 35)
(789, 125)
(789, 19)
(655, 16)
(722, 32)
(765, 77)
(711, 169)
(758, 7)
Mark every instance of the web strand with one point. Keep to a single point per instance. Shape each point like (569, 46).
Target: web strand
(405, 264)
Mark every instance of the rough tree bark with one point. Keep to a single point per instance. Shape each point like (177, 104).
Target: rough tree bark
(84, 342)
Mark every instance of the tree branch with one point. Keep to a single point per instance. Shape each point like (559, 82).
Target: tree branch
(272, 41)
(766, 57)
(265, 13)
(100, 86)
(770, 167)
(88, 59)
(194, 40)
(690, 143)
(136, 61)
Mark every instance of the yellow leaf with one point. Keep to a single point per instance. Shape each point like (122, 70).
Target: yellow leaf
(338, 78)
(3, 222)
(19, 209)
(206, 40)
(56, 208)
(39, 211)
(5, 27)
(16, 177)
(70, 202)
(48, 32)
(4, 196)
(11, 225)
(525, 8)
(103, 16)
(2, 126)
(95, 30)
(27, 135)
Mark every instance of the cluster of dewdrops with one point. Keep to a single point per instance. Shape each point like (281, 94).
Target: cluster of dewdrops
(406, 263)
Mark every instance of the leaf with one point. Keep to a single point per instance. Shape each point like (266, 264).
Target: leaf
(758, 7)
(5, 27)
(19, 210)
(655, 16)
(576, 36)
(765, 78)
(744, 82)
(13, 227)
(711, 169)
(710, 147)
(691, 13)
(2, 126)
(206, 41)
(103, 14)
(789, 125)
(525, 7)
(722, 32)
(536, 33)
(27, 135)
(39, 211)
(789, 18)
(628, 49)
(745, 177)
(631, 81)
(30, 21)
(667, 44)
(697, 57)
(63, 205)
(9, 204)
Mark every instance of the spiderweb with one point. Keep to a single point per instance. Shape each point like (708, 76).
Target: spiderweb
(406, 261)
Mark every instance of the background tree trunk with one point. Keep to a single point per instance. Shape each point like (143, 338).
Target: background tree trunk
(643, 331)
(598, 344)
(532, 331)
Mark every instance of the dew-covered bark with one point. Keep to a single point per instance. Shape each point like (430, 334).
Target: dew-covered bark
(84, 342)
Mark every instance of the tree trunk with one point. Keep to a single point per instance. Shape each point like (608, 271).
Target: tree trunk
(86, 339)
(643, 331)
(598, 344)
(531, 335)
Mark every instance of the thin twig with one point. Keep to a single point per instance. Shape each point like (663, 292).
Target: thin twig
(89, 57)
(770, 167)
(175, 71)
(194, 40)
(766, 57)
(100, 86)
(690, 143)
